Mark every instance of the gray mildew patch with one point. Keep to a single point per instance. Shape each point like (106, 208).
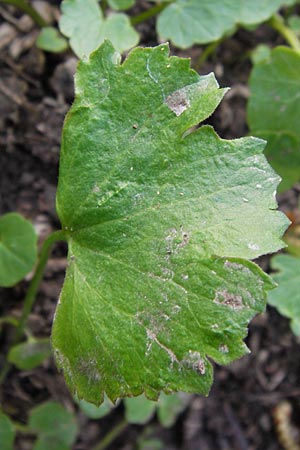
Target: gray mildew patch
(178, 101)
(194, 361)
(226, 298)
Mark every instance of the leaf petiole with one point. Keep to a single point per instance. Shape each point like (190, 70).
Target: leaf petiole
(277, 23)
(112, 435)
(32, 291)
(148, 14)
(28, 9)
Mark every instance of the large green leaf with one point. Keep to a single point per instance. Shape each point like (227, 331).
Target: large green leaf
(286, 297)
(274, 111)
(158, 217)
(18, 248)
(188, 22)
(83, 22)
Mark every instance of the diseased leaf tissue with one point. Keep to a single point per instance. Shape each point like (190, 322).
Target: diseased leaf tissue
(161, 220)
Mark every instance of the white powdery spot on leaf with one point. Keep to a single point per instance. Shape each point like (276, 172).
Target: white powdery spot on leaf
(194, 361)
(178, 102)
(223, 348)
(226, 298)
(253, 246)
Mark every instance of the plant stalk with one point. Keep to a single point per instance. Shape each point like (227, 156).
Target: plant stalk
(149, 13)
(277, 23)
(32, 291)
(111, 435)
(207, 52)
(28, 9)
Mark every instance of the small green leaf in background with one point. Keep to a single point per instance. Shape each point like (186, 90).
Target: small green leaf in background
(150, 444)
(294, 24)
(286, 297)
(261, 53)
(30, 354)
(274, 111)
(258, 11)
(55, 427)
(51, 40)
(18, 248)
(199, 22)
(170, 406)
(160, 223)
(121, 4)
(95, 412)
(139, 410)
(82, 21)
(7, 433)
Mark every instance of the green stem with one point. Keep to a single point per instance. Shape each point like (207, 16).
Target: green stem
(28, 9)
(209, 50)
(32, 291)
(111, 435)
(146, 15)
(24, 429)
(11, 320)
(278, 24)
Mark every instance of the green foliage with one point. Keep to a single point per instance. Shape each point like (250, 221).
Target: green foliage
(30, 354)
(95, 412)
(121, 4)
(7, 433)
(18, 248)
(286, 297)
(139, 410)
(274, 111)
(199, 22)
(150, 444)
(170, 406)
(159, 219)
(55, 427)
(51, 40)
(261, 53)
(294, 24)
(83, 23)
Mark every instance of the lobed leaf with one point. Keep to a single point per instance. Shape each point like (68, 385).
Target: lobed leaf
(286, 297)
(82, 21)
(199, 22)
(18, 248)
(159, 218)
(274, 110)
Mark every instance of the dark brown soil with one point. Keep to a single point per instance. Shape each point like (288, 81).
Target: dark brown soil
(36, 90)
